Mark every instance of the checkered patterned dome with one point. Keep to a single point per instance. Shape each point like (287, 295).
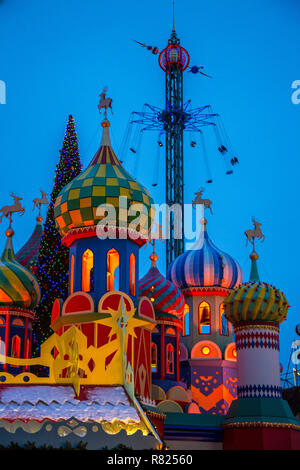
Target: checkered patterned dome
(103, 182)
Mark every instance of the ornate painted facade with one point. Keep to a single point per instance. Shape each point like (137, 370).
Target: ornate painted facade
(190, 360)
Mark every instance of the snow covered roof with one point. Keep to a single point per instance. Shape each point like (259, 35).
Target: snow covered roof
(41, 402)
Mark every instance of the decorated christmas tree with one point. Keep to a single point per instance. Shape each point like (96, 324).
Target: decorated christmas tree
(53, 262)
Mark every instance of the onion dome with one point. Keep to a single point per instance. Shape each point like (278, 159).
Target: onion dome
(18, 286)
(28, 255)
(205, 266)
(256, 301)
(103, 182)
(166, 297)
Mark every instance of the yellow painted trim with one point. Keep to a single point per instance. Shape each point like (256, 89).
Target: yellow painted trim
(259, 301)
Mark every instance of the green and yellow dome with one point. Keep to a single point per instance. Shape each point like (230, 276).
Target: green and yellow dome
(103, 182)
(256, 301)
(18, 287)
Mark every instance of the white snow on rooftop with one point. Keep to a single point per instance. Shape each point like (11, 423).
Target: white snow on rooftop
(40, 402)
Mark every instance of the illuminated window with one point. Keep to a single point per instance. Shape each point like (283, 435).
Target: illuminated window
(186, 321)
(154, 357)
(72, 275)
(132, 274)
(170, 359)
(2, 346)
(16, 346)
(87, 271)
(113, 261)
(2, 321)
(224, 329)
(204, 319)
(17, 322)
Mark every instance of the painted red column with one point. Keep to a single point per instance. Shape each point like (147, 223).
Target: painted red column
(177, 346)
(25, 342)
(6, 338)
(162, 352)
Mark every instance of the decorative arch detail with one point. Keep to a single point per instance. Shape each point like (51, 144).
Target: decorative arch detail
(178, 393)
(169, 406)
(78, 302)
(230, 352)
(18, 322)
(206, 350)
(112, 300)
(158, 393)
(183, 352)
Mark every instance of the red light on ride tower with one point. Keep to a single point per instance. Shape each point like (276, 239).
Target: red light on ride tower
(174, 57)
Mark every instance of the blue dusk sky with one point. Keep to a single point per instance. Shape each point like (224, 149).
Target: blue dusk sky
(56, 57)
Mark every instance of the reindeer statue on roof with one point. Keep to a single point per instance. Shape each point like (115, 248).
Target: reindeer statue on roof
(7, 211)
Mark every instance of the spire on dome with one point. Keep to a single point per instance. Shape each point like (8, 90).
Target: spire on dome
(173, 30)
(8, 252)
(254, 276)
(153, 256)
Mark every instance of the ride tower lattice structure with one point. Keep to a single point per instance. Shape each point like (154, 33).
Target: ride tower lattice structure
(174, 60)
(173, 121)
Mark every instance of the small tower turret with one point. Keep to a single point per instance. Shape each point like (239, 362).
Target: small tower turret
(259, 418)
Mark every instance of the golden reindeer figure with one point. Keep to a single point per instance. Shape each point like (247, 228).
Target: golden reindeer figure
(38, 201)
(256, 233)
(7, 211)
(198, 200)
(104, 103)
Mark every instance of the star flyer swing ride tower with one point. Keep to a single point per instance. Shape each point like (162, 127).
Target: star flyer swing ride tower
(172, 121)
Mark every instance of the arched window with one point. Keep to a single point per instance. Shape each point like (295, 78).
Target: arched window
(87, 270)
(112, 272)
(16, 346)
(186, 321)
(17, 322)
(2, 321)
(72, 275)
(154, 357)
(204, 318)
(132, 274)
(170, 359)
(224, 329)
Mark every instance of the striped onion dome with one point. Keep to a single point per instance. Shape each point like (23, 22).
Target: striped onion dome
(103, 182)
(27, 256)
(256, 301)
(18, 286)
(166, 297)
(205, 266)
